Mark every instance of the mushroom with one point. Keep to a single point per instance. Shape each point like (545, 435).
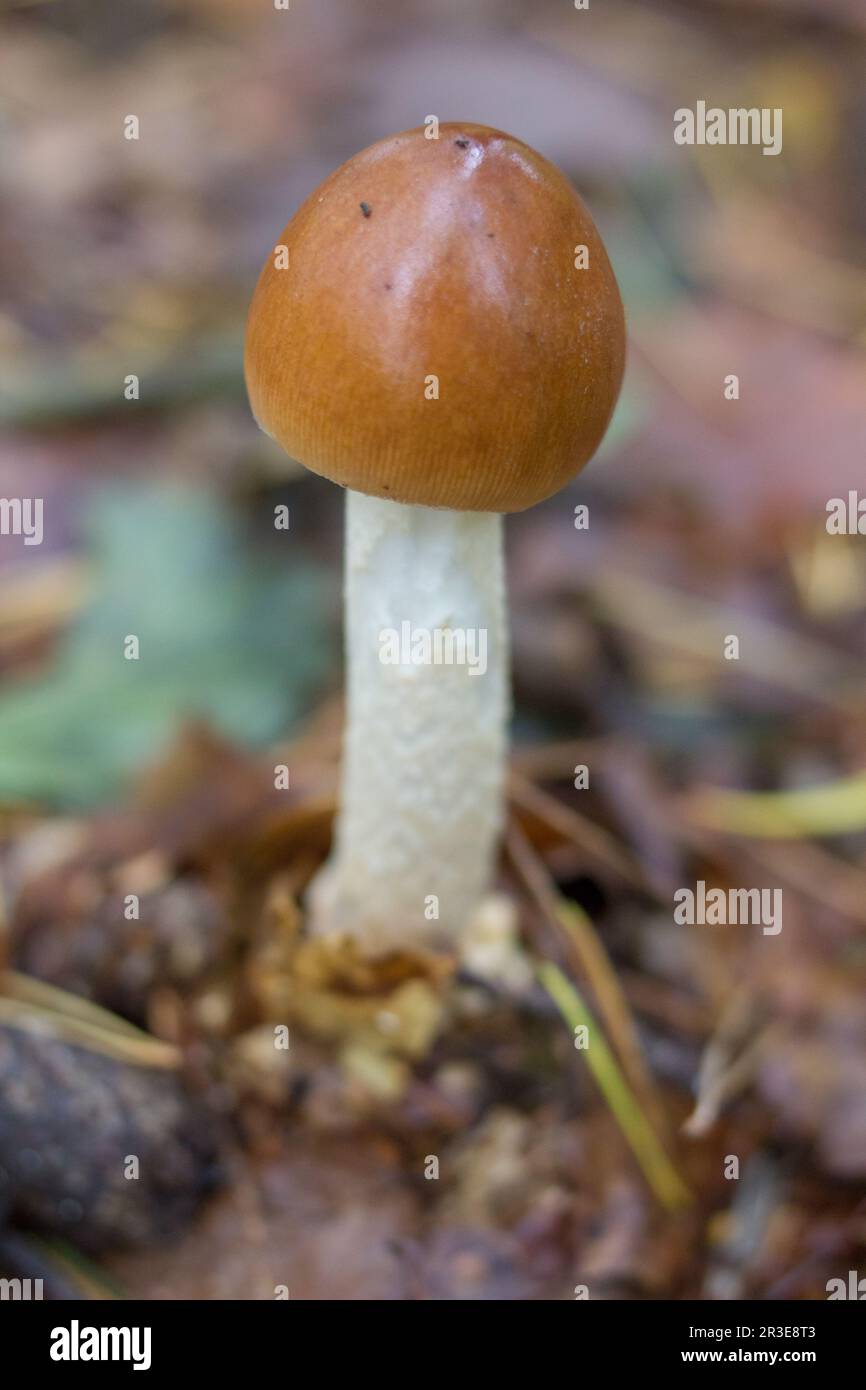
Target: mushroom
(438, 344)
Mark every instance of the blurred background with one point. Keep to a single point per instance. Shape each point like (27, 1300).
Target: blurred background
(151, 1036)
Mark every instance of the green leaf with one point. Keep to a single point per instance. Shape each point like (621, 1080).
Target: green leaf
(224, 635)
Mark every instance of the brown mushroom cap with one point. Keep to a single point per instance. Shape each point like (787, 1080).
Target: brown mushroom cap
(452, 258)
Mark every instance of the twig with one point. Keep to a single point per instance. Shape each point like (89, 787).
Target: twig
(599, 844)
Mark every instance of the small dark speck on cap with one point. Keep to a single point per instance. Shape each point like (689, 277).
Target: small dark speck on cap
(366, 209)
(463, 143)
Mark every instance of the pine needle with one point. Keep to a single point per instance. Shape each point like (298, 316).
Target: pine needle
(657, 1168)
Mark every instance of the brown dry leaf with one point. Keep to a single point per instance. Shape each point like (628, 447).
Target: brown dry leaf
(795, 436)
(324, 1222)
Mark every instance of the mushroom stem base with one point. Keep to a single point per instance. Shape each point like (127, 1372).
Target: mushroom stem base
(425, 744)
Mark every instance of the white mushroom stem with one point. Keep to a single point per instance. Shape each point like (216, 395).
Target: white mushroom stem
(425, 744)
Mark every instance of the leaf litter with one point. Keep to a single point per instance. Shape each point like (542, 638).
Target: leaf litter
(430, 1131)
